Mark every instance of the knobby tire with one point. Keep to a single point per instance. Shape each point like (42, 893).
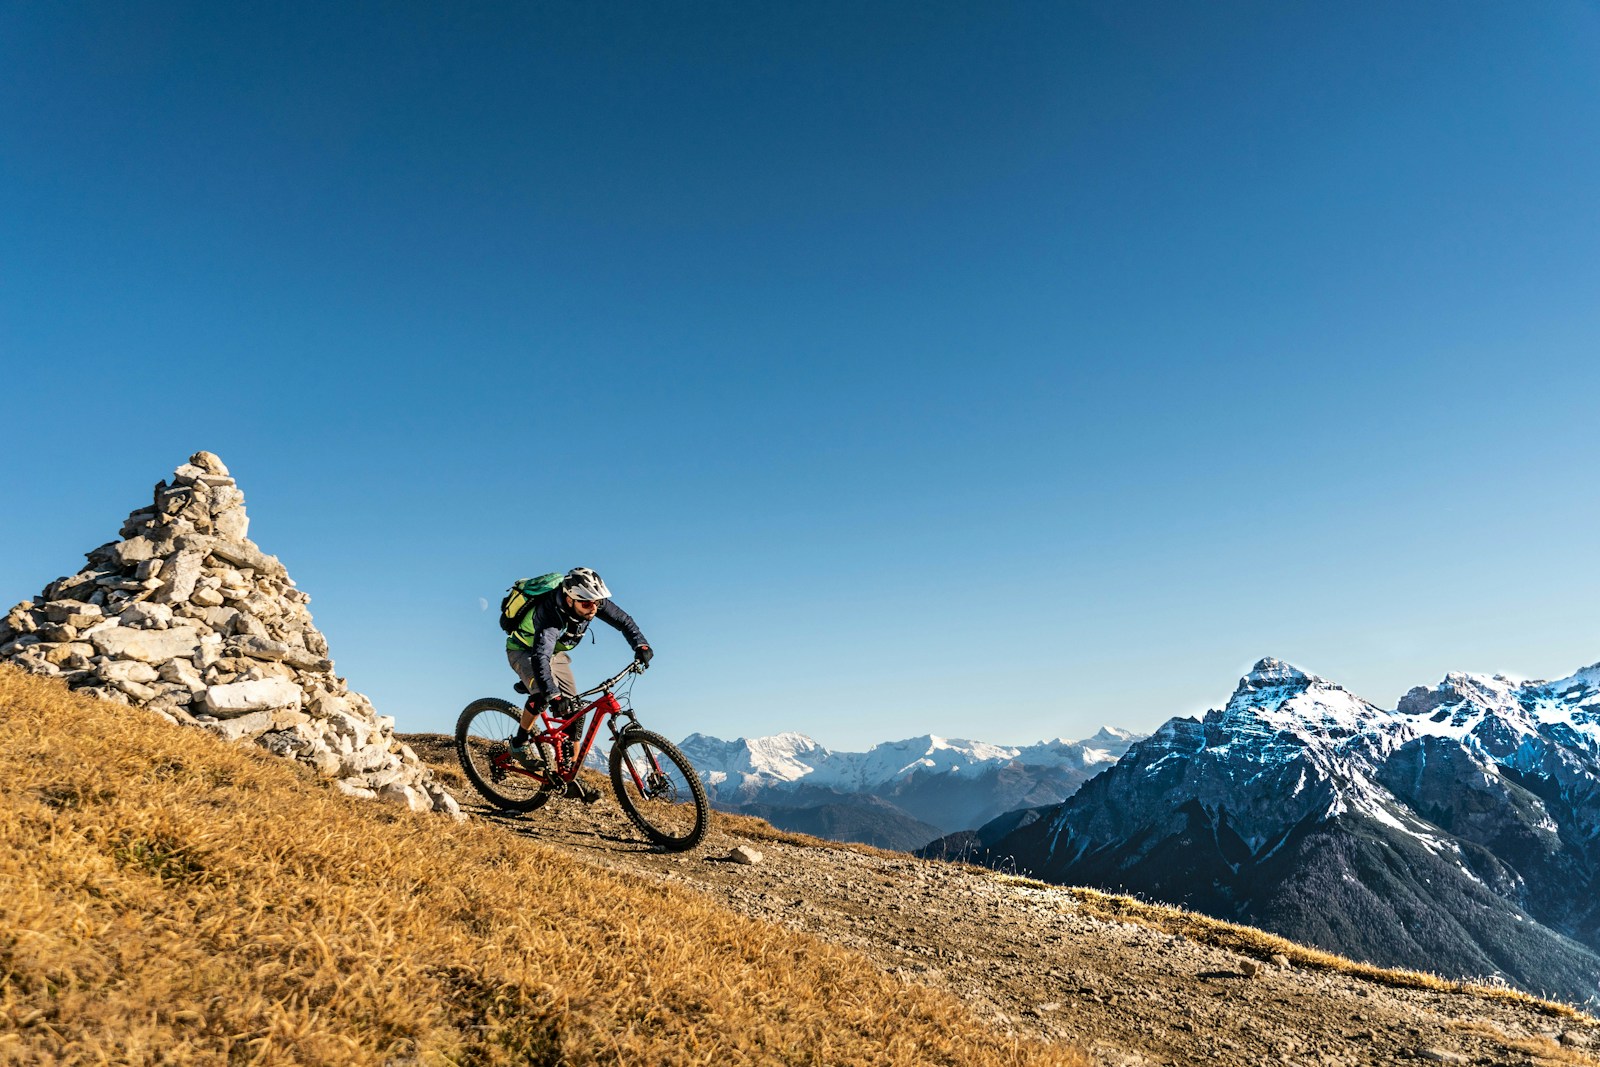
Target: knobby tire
(673, 812)
(484, 726)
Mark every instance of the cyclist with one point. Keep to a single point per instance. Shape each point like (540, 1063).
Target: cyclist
(537, 650)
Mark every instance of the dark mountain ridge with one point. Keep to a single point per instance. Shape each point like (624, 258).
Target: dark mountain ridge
(1456, 834)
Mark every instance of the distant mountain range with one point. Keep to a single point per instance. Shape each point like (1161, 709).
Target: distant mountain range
(900, 794)
(1459, 833)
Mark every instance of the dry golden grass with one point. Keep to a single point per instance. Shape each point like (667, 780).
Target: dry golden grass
(1541, 1051)
(172, 899)
(1249, 941)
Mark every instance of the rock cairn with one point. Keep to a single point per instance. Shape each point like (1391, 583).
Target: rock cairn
(185, 616)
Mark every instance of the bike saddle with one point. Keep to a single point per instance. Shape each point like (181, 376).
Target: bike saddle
(520, 688)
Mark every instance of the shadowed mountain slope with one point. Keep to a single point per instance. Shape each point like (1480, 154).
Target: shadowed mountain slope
(1456, 834)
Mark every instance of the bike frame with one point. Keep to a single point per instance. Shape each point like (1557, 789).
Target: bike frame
(554, 730)
(605, 707)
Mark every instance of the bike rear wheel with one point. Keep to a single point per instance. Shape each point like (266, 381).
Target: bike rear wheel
(659, 790)
(483, 741)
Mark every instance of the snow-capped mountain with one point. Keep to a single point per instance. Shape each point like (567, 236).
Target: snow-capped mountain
(1459, 833)
(905, 792)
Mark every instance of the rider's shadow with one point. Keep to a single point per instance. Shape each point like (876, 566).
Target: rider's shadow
(527, 825)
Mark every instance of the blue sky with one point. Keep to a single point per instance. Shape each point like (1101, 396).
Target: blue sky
(994, 371)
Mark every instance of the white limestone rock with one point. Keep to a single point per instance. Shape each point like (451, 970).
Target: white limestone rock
(209, 652)
(236, 698)
(137, 690)
(135, 550)
(343, 723)
(249, 625)
(179, 576)
(209, 462)
(233, 524)
(387, 775)
(23, 618)
(125, 670)
(220, 619)
(73, 612)
(74, 655)
(242, 727)
(366, 759)
(259, 648)
(442, 801)
(147, 615)
(19, 645)
(109, 623)
(285, 743)
(53, 632)
(149, 646)
(404, 794)
(182, 672)
(246, 554)
(325, 763)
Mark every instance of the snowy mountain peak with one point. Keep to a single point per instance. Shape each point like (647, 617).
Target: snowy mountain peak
(1500, 715)
(1279, 700)
(1272, 673)
(784, 757)
(1584, 684)
(1106, 735)
(787, 743)
(1497, 693)
(746, 766)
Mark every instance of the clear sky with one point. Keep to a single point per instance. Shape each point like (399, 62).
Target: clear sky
(988, 370)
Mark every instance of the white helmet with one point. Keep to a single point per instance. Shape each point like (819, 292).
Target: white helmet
(581, 583)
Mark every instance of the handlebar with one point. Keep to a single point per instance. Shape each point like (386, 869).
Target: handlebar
(632, 668)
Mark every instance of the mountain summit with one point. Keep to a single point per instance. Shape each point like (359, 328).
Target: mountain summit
(1459, 833)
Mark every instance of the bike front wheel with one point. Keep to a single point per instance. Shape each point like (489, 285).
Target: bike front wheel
(659, 790)
(483, 742)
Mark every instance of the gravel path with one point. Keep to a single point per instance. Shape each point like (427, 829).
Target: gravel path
(1034, 962)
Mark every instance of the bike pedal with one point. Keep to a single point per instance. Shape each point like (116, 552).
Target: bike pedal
(576, 790)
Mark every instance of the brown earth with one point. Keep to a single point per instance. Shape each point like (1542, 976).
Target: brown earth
(1037, 961)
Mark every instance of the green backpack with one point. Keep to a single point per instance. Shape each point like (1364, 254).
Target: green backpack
(519, 598)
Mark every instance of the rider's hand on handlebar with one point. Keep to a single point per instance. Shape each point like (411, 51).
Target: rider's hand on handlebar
(642, 656)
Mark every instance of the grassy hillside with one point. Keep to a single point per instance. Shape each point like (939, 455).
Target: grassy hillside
(172, 899)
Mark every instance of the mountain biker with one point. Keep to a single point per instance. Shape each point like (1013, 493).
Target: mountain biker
(555, 624)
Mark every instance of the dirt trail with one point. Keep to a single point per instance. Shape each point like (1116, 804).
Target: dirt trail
(1034, 962)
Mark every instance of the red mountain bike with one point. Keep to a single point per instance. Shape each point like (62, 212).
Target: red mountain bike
(654, 783)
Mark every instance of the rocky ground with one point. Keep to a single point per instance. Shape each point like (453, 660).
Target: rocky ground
(1035, 962)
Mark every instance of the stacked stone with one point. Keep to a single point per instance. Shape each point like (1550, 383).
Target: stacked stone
(187, 617)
